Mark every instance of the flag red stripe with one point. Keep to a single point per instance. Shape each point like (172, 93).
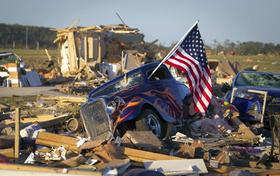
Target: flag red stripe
(199, 95)
(182, 69)
(192, 84)
(205, 80)
(191, 71)
(200, 100)
(202, 92)
(191, 60)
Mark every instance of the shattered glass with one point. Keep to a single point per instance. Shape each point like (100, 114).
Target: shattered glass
(267, 80)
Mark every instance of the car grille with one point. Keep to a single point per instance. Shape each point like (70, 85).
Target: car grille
(96, 120)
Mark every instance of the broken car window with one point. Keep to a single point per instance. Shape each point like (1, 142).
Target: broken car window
(160, 74)
(131, 80)
(9, 58)
(268, 80)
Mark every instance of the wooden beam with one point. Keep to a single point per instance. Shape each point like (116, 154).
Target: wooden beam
(243, 131)
(145, 139)
(268, 172)
(72, 52)
(99, 58)
(17, 135)
(8, 152)
(141, 155)
(55, 140)
(48, 55)
(34, 169)
(44, 120)
(71, 162)
(86, 48)
(74, 99)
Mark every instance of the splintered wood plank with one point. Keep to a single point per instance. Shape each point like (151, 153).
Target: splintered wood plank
(44, 120)
(71, 162)
(55, 140)
(17, 135)
(72, 52)
(142, 155)
(18, 170)
(243, 131)
(56, 144)
(8, 152)
(143, 138)
(74, 99)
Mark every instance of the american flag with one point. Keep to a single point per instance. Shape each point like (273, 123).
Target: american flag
(190, 58)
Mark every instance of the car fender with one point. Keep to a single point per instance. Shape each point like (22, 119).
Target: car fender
(134, 108)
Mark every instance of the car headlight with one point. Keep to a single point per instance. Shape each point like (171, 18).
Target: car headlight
(115, 105)
(111, 107)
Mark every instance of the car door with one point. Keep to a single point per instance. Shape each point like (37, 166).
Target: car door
(167, 94)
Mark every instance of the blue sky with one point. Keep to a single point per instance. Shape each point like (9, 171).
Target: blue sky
(165, 20)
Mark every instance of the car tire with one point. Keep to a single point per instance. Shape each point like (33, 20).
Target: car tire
(150, 120)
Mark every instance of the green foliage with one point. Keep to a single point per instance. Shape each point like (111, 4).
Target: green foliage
(15, 36)
(246, 48)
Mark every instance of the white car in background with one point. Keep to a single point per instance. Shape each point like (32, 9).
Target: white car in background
(8, 57)
(3, 72)
(5, 58)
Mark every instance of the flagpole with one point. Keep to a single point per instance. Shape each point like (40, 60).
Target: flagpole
(173, 49)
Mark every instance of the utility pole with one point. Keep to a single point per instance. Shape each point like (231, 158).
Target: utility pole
(120, 18)
(26, 38)
(37, 45)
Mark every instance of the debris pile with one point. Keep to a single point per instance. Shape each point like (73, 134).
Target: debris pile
(83, 46)
(216, 144)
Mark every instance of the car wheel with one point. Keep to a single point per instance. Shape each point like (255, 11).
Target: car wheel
(149, 120)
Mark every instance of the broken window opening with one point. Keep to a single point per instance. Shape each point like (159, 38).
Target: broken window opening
(160, 74)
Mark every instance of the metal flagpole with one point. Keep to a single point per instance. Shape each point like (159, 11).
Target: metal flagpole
(174, 48)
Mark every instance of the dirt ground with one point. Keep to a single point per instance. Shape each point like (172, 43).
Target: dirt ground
(28, 91)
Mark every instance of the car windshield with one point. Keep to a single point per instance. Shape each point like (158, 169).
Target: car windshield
(255, 79)
(126, 82)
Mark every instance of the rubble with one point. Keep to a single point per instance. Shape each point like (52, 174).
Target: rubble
(99, 43)
(56, 134)
(222, 144)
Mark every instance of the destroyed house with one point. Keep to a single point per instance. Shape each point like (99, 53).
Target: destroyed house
(82, 45)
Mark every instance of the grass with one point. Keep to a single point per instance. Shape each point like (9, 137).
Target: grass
(37, 58)
(17, 101)
(270, 63)
(34, 59)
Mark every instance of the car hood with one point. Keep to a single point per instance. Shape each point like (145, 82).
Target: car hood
(275, 92)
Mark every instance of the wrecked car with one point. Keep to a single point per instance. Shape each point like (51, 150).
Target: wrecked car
(135, 101)
(256, 95)
(8, 57)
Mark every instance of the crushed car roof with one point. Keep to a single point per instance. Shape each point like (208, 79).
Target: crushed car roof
(5, 53)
